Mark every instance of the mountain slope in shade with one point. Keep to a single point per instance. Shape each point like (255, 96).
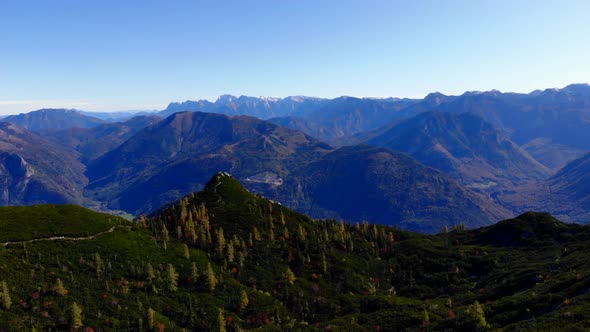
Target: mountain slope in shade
(383, 186)
(96, 141)
(50, 119)
(560, 116)
(465, 147)
(566, 194)
(35, 170)
(178, 155)
(554, 156)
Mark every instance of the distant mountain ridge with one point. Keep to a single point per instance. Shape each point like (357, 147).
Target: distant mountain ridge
(464, 146)
(541, 114)
(261, 107)
(325, 118)
(50, 119)
(96, 141)
(560, 116)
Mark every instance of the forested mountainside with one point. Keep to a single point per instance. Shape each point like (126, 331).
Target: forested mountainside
(93, 142)
(179, 154)
(465, 147)
(50, 119)
(566, 194)
(227, 260)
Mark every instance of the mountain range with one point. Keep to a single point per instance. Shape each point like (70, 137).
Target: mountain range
(418, 163)
(324, 119)
(524, 118)
(180, 153)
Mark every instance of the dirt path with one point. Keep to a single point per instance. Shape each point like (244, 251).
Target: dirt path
(55, 238)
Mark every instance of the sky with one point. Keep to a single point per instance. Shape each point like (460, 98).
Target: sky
(137, 55)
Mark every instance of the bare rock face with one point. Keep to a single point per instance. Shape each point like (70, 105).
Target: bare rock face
(37, 170)
(15, 175)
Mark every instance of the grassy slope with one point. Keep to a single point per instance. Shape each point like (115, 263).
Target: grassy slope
(19, 223)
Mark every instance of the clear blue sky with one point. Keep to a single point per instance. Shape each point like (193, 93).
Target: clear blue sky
(116, 55)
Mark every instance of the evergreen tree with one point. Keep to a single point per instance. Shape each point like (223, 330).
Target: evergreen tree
(221, 321)
(6, 301)
(220, 242)
(203, 237)
(390, 237)
(151, 318)
(241, 259)
(289, 276)
(202, 213)
(164, 233)
(76, 316)
(301, 233)
(211, 278)
(243, 300)
(99, 265)
(476, 315)
(324, 264)
(59, 288)
(187, 253)
(194, 272)
(325, 235)
(151, 275)
(230, 253)
(257, 236)
(250, 240)
(426, 319)
(172, 277)
(189, 230)
(183, 210)
(165, 236)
